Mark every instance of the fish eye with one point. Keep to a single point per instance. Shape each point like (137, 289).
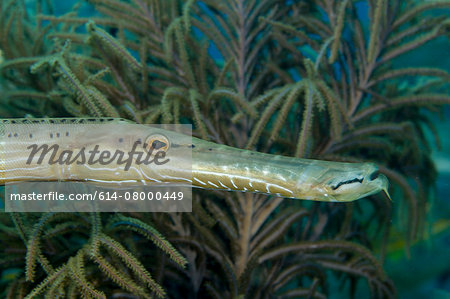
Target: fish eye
(157, 143)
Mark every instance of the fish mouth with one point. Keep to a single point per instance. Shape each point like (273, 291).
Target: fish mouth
(377, 184)
(383, 182)
(384, 186)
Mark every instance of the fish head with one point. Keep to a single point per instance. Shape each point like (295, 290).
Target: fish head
(349, 182)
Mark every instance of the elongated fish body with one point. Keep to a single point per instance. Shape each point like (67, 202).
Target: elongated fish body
(188, 160)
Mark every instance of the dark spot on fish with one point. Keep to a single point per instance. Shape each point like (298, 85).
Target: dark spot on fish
(209, 149)
(57, 135)
(9, 135)
(374, 175)
(31, 136)
(51, 135)
(67, 133)
(113, 31)
(15, 134)
(120, 139)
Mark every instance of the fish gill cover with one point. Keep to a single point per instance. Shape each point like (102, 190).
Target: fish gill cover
(314, 79)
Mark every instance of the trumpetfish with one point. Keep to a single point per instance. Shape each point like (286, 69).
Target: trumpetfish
(193, 161)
